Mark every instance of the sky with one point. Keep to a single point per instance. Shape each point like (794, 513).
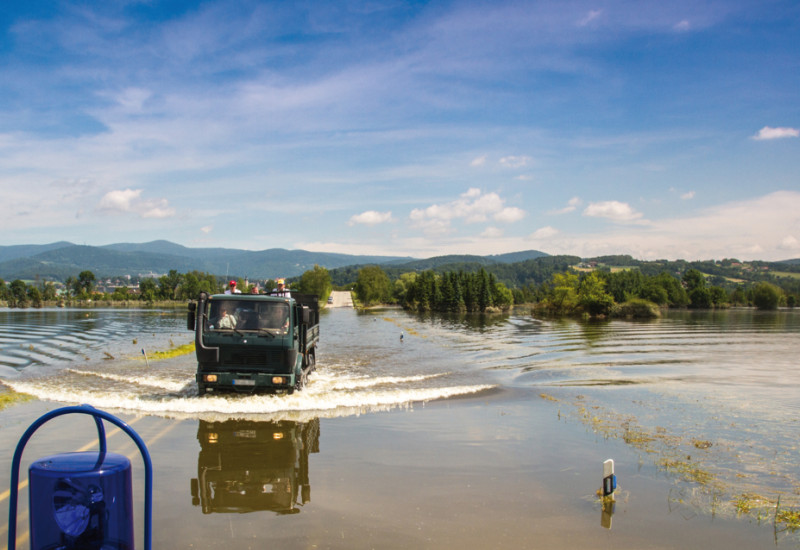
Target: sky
(663, 130)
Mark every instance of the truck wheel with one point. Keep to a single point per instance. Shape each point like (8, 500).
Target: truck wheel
(201, 389)
(312, 360)
(301, 381)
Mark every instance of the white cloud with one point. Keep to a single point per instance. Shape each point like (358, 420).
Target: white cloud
(370, 217)
(544, 233)
(492, 232)
(158, 209)
(120, 200)
(589, 17)
(767, 133)
(612, 210)
(474, 206)
(789, 242)
(688, 195)
(761, 228)
(509, 214)
(128, 201)
(478, 161)
(514, 161)
(207, 229)
(682, 26)
(132, 100)
(573, 203)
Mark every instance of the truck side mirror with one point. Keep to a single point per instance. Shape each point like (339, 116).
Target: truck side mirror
(190, 316)
(306, 315)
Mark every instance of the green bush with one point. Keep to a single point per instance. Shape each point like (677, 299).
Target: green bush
(636, 308)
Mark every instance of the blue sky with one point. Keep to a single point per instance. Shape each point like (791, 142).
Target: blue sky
(656, 129)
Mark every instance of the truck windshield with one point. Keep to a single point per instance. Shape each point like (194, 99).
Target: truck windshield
(239, 315)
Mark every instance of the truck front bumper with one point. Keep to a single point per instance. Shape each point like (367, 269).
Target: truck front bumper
(245, 382)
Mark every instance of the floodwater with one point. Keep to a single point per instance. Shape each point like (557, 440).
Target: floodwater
(487, 433)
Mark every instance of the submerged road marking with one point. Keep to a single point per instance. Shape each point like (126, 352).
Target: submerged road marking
(24, 483)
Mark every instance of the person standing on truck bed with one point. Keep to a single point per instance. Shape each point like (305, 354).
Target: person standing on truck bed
(281, 289)
(232, 288)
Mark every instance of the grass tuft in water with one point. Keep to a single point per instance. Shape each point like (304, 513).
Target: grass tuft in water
(174, 352)
(687, 470)
(10, 397)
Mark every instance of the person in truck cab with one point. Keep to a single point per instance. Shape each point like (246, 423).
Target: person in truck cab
(226, 320)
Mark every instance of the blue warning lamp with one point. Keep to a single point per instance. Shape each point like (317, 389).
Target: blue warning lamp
(81, 500)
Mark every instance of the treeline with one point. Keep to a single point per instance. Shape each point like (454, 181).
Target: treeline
(454, 292)
(592, 292)
(173, 286)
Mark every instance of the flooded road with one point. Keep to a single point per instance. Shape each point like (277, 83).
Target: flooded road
(439, 433)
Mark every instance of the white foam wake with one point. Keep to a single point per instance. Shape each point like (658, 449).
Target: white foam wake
(318, 400)
(147, 380)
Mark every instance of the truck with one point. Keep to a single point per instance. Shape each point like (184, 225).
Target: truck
(250, 343)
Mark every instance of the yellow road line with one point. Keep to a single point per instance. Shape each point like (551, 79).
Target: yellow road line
(22, 484)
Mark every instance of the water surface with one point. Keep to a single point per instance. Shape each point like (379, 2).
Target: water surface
(464, 432)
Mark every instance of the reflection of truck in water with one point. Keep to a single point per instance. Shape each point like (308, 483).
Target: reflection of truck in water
(247, 466)
(249, 342)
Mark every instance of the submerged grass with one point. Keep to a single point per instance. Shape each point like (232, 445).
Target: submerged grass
(673, 455)
(9, 397)
(174, 351)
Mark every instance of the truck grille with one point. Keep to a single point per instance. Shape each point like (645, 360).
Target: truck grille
(254, 358)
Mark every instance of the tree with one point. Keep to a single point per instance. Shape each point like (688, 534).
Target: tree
(70, 285)
(169, 283)
(693, 279)
(84, 284)
(18, 292)
(35, 296)
(148, 290)
(592, 296)
(562, 296)
(699, 295)
(766, 296)
(700, 298)
(718, 296)
(316, 281)
(373, 286)
(49, 291)
(677, 296)
(402, 286)
(502, 296)
(120, 294)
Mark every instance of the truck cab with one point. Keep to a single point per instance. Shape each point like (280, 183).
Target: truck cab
(254, 342)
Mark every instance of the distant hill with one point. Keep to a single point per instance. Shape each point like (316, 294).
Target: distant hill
(505, 266)
(61, 260)
(27, 250)
(516, 257)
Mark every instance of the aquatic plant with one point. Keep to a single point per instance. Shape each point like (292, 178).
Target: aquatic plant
(703, 486)
(174, 352)
(9, 397)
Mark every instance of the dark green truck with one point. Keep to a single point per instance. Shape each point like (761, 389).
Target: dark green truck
(254, 342)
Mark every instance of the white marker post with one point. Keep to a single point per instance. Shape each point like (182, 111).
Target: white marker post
(148, 366)
(609, 479)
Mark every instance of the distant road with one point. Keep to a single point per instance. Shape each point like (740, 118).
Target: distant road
(341, 298)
